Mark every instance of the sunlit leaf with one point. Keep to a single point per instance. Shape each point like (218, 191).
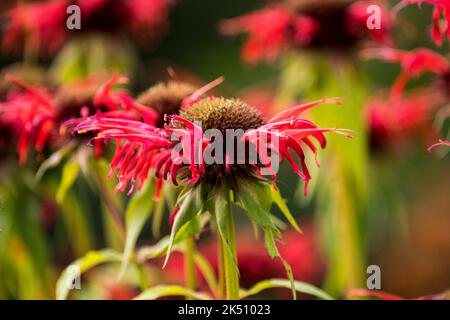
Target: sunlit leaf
(279, 201)
(69, 176)
(207, 271)
(75, 269)
(167, 291)
(299, 286)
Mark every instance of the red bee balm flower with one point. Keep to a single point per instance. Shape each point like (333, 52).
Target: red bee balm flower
(306, 24)
(31, 115)
(218, 171)
(393, 119)
(42, 25)
(141, 146)
(272, 30)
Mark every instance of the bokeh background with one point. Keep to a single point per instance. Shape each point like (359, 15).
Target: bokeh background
(405, 229)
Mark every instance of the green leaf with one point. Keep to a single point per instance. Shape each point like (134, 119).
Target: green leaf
(279, 201)
(190, 205)
(75, 269)
(138, 210)
(194, 226)
(69, 176)
(302, 287)
(167, 291)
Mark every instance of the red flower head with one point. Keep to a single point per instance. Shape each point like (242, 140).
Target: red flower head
(141, 146)
(31, 115)
(394, 119)
(413, 63)
(36, 115)
(306, 24)
(441, 9)
(271, 31)
(42, 25)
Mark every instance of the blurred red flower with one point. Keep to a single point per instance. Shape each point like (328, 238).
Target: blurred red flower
(42, 25)
(271, 31)
(306, 24)
(394, 119)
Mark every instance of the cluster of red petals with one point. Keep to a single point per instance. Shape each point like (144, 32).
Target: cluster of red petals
(413, 63)
(271, 31)
(400, 116)
(34, 117)
(42, 25)
(31, 115)
(141, 146)
(441, 9)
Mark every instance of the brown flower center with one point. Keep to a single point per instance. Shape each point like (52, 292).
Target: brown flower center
(166, 98)
(222, 114)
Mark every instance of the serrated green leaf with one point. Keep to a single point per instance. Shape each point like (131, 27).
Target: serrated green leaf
(269, 239)
(69, 176)
(167, 291)
(279, 201)
(75, 269)
(138, 210)
(299, 286)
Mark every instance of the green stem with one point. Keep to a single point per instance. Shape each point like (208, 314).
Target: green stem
(230, 258)
(189, 264)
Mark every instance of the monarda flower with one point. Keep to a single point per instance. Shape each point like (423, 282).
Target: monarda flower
(413, 64)
(42, 25)
(192, 149)
(311, 24)
(441, 10)
(31, 115)
(397, 118)
(39, 116)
